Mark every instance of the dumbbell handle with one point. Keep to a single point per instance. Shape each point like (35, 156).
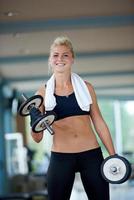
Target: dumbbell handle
(24, 97)
(114, 169)
(48, 127)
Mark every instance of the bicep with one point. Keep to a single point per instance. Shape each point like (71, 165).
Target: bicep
(95, 113)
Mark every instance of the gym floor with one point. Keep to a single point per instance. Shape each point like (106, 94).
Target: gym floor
(123, 191)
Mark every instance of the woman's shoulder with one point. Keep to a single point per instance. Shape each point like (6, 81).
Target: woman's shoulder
(89, 85)
(91, 90)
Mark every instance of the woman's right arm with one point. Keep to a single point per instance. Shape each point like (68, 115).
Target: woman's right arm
(37, 137)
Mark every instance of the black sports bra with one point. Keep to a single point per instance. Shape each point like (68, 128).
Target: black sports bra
(67, 106)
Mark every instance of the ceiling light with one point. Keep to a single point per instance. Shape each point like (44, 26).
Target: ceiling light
(10, 13)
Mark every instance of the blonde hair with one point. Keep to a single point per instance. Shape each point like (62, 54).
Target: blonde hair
(62, 40)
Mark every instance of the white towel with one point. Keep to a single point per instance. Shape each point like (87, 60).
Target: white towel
(81, 91)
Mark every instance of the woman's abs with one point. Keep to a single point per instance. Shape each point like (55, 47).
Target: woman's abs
(73, 134)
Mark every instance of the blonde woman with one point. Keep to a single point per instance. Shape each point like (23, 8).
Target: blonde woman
(75, 147)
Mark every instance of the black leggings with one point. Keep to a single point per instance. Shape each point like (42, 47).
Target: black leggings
(61, 174)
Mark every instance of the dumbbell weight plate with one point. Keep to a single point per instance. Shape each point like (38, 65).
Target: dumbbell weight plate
(39, 124)
(35, 100)
(115, 162)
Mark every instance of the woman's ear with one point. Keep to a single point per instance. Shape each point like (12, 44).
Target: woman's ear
(72, 61)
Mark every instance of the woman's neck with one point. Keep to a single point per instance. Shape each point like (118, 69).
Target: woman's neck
(63, 80)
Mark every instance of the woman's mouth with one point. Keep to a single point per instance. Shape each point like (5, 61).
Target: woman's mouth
(60, 64)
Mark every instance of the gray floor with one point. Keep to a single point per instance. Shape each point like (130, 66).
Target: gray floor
(123, 191)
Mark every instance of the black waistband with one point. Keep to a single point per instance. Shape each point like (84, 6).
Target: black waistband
(90, 151)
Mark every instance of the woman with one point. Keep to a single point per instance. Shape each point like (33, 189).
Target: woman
(75, 147)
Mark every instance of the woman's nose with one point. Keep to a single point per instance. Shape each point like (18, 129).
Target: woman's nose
(60, 57)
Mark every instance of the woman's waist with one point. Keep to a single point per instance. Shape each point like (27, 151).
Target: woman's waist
(74, 142)
(73, 148)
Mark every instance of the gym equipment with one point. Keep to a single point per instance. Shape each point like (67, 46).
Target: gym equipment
(116, 169)
(30, 106)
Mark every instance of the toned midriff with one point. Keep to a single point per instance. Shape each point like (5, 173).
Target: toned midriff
(73, 134)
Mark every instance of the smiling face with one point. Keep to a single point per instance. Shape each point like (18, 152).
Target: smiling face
(61, 58)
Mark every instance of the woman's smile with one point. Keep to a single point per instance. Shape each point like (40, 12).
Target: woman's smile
(60, 64)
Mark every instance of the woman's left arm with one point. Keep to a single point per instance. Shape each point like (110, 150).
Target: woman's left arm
(99, 123)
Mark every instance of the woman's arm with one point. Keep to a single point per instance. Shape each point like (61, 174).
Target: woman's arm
(38, 136)
(99, 123)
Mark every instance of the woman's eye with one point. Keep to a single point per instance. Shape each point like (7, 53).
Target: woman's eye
(55, 55)
(66, 55)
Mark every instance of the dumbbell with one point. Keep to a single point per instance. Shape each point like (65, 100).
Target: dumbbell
(116, 169)
(40, 122)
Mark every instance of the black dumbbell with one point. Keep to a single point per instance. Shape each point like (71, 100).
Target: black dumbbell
(116, 169)
(40, 122)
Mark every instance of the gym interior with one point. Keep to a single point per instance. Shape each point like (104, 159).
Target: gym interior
(102, 33)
